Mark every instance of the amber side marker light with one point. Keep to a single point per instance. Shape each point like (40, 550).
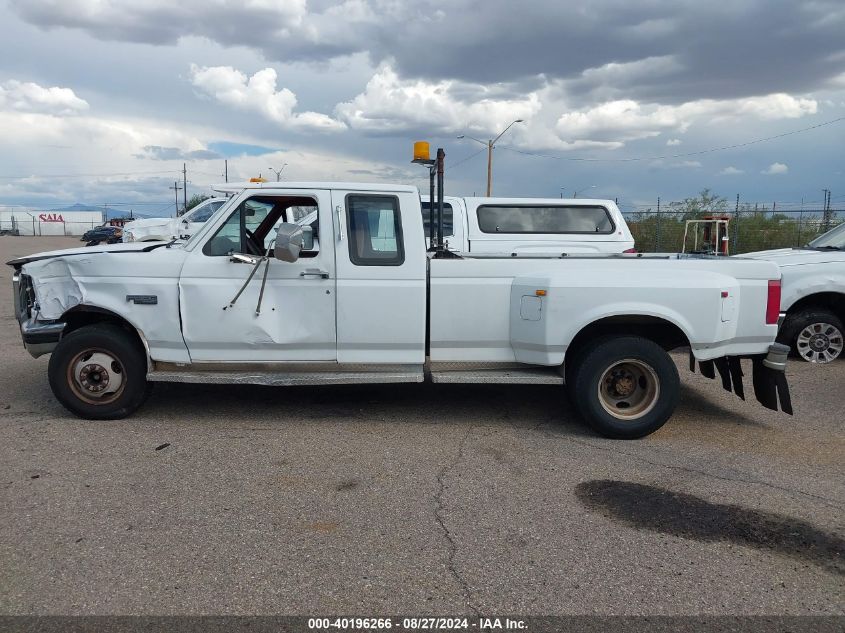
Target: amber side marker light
(540, 293)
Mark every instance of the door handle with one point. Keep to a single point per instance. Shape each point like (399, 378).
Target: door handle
(322, 274)
(339, 211)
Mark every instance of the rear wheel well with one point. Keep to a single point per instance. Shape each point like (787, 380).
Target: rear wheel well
(665, 333)
(833, 301)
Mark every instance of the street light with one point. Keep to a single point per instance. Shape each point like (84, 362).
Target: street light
(490, 144)
(575, 191)
(278, 172)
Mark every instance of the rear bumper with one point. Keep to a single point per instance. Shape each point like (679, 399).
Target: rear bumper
(768, 376)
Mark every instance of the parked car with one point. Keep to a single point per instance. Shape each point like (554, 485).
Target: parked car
(108, 234)
(813, 300)
(360, 300)
(532, 225)
(166, 229)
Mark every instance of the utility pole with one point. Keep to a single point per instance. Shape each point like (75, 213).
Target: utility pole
(226, 170)
(176, 189)
(490, 144)
(657, 228)
(826, 210)
(736, 226)
(184, 188)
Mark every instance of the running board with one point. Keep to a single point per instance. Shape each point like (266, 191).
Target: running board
(413, 373)
(505, 376)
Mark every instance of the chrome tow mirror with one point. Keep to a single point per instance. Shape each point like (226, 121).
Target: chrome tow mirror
(291, 239)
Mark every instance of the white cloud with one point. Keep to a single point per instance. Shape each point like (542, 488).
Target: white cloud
(258, 93)
(30, 97)
(775, 169)
(392, 104)
(730, 171)
(673, 142)
(626, 119)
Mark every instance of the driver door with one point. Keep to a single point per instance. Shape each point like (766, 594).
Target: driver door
(296, 317)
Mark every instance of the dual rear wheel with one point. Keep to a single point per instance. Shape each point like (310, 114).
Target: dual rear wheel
(625, 387)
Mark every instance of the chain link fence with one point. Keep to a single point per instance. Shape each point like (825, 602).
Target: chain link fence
(750, 227)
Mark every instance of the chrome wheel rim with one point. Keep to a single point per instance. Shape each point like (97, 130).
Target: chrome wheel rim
(96, 376)
(819, 343)
(629, 389)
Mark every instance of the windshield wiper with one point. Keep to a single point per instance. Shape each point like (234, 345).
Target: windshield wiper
(827, 248)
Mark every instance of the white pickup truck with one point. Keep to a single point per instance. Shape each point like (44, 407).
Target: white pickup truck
(354, 297)
(165, 229)
(813, 296)
(531, 225)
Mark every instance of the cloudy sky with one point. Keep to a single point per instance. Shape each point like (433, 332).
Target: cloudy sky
(101, 101)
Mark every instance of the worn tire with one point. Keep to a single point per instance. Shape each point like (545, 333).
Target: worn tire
(68, 363)
(625, 387)
(798, 321)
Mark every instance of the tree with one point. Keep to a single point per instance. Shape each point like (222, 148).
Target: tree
(705, 203)
(196, 199)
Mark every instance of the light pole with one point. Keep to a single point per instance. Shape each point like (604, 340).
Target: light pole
(575, 191)
(278, 172)
(490, 145)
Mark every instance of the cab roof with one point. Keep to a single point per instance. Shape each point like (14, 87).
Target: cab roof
(237, 187)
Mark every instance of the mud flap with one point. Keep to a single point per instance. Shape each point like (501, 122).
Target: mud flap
(770, 386)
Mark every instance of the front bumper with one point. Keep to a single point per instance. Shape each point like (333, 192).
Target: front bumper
(41, 337)
(768, 376)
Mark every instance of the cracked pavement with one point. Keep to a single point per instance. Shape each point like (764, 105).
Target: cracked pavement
(431, 499)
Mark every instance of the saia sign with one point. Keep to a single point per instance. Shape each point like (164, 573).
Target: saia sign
(51, 217)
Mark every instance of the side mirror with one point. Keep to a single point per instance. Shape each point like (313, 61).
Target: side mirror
(290, 240)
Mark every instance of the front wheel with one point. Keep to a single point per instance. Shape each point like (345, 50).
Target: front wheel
(814, 334)
(99, 372)
(625, 387)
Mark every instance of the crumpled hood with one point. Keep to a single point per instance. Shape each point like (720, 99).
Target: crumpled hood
(84, 250)
(797, 256)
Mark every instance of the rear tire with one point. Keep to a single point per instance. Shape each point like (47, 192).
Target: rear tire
(99, 372)
(813, 334)
(625, 387)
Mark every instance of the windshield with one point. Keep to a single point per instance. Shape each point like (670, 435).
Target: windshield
(835, 238)
(204, 212)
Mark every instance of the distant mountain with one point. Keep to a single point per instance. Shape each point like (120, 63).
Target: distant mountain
(109, 212)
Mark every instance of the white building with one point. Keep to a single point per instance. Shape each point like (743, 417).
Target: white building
(35, 222)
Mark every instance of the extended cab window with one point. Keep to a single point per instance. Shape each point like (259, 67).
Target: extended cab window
(448, 218)
(375, 230)
(544, 219)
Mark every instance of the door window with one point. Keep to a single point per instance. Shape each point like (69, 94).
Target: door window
(251, 227)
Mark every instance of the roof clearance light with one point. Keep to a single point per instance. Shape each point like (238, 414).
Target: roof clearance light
(259, 179)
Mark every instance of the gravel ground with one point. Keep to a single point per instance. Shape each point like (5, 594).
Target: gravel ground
(432, 499)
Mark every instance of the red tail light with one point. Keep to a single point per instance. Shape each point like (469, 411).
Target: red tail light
(630, 250)
(773, 302)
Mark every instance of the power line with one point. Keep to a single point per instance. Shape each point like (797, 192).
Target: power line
(463, 160)
(131, 173)
(698, 153)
